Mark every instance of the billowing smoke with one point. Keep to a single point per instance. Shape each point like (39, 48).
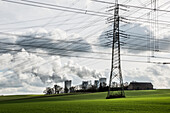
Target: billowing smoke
(33, 60)
(81, 71)
(23, 68)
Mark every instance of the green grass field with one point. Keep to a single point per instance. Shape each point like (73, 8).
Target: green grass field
(149, 101)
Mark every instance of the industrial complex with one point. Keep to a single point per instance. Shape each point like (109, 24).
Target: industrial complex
(98, 86)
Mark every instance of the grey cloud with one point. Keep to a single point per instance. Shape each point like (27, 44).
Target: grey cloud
(138, 41)
(54, 42)
(9, 79)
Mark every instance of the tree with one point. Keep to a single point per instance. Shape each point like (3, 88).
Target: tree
(57, 89)
(48, 91)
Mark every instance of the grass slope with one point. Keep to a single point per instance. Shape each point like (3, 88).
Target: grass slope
(149, 101)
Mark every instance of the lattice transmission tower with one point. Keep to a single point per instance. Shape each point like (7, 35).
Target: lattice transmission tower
(116, 74)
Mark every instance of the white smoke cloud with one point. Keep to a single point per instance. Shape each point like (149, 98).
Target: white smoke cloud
(27, 68)
(81, 71)
(23, 70)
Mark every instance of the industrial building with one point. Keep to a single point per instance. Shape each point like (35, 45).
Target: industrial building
(67, 86)
(114, 84)
(102, 82)
(140, 86)
(85, 84)
(98, 86)
(96, 83)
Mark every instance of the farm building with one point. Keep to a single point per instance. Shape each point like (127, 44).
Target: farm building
(140, 86)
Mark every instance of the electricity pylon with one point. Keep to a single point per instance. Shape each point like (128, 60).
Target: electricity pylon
(116, 73)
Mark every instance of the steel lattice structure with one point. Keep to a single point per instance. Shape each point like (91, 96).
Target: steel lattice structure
(116, 60)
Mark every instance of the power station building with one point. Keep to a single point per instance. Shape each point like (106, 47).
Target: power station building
(140, 86)
(102, 82)
(85, 84)
(96, 83)
(67, 86)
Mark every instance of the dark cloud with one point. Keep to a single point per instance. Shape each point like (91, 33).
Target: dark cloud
(54, 42)
(137, 39)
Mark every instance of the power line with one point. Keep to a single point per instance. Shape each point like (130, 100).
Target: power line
(31, 20)
(29, 1)
(75, 2)
(147, 13)
(64, 55)
(10, 1)
(54, 48)
(67, 10)
(127, 6)
(52, 24)
(77, 42)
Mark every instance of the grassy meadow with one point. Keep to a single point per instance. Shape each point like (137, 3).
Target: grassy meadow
(142, 101)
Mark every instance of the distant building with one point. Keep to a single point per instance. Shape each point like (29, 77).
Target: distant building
(96, 83)
(140, 86)
(114, 84)
(85, 84)
(102, 82)
(78, 87)
(67, 86)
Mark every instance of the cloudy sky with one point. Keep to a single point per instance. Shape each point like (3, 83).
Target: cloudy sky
(45, 44)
